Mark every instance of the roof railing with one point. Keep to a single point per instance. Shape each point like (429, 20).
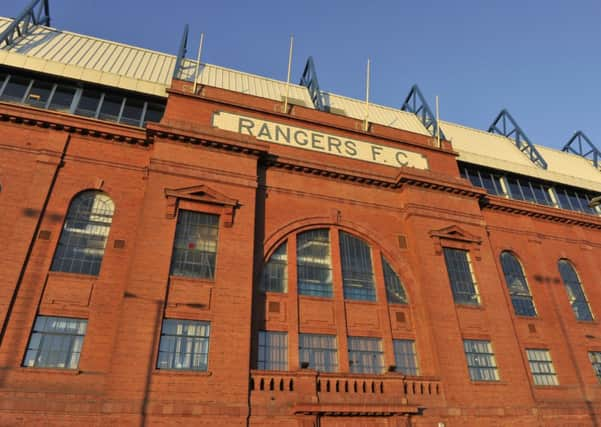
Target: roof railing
(181, 53)
(580, 144)
(26, 22)
(416, 103)
(505, 125)
(309, 80)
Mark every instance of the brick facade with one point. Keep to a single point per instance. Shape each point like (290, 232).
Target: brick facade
(266, 194)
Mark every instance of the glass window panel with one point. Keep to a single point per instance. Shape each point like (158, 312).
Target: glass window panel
(395, 293)
(154, 113)
(405, 357)
(272, 351)
(319, 352)
(365, 355)
(584, 201)
(595, 358)
(15, 89)
(195, 246)
(574, 200)
(314, 265)
(132, 112)
(540, 194)
(517, 285)
(461, 276)
(184, 345)
(527, 190)
(564, 201)
(62, 98)
(481, 361)
(541, 367)
(498, 182)
(83, 239)
(55, 342)
(514, 188)
(111, 107)
(275, 272)
(487, 182)
(576, 295)
(357, 272)
(39, 94)
(88, 103)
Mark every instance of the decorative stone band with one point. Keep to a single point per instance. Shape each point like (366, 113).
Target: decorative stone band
(279, 133)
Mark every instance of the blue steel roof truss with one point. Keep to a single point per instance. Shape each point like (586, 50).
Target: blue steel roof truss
(416, 103)
(309, 80)
(26, 22)
(581, 145)
(505, 125)
(181, 53)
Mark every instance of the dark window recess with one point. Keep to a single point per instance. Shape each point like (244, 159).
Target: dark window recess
(62, 98)
(88, 104)
(154, 113)
(39, 94)
(132, 112)
(15, 89)
(110, 108)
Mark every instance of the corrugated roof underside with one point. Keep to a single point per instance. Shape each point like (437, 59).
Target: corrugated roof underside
(498, 152)
(90, 59)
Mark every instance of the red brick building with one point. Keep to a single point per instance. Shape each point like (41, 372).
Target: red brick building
(217, 254)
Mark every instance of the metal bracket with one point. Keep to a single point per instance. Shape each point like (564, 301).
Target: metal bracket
(505, 125)
(416, 103)
(181, 53)
(309, 80)
(26, 22)
(575, 145)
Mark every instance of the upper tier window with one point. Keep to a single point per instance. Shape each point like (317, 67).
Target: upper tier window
(68, 97)
(314, 264)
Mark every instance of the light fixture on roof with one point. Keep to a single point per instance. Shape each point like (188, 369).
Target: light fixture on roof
(595, 201)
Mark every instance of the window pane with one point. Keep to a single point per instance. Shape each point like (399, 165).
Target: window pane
(88, 103)
(55, 342)
(357, 272)
(314, 263)
(365, 355)
(461, 277)
(83, 239)
(273, 351)
(595, 358)
(154, 113)
(111, 106)
(195, 246)
(275, 272)
(15, 89)
(481, 361)
(319, 351)
(541, 367)
(132, 112)
(514, 188)
(405, 357)
(184, 345)
(517, 286)
(39, 94)
(62, 98)
(395, 293)
(564, 201)
(540, 193)
(576, 295)
(527, 190)
(487, 182)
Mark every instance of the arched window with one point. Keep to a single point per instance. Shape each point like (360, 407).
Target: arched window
(395, 293)
(357, 271)
(83, 239)
(517, 285)
(574, 289)
(275, 273)
(314, 263)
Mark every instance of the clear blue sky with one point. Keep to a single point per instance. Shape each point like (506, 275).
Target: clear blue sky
(539, 59)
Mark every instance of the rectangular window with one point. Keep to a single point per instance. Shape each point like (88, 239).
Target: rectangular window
(154, 113)
(88, 103)
(461, 276)
(62, 98)
(39, 93)
(184, 345)
(541, 367)
(365, 355)
(481, 361)
(595, 358)
(132, 112)
(314, 263)
(273, 351)
(357, 272)
(405, 357)
(319, 351)
(195, 246)
(55, 343)
(15, 88)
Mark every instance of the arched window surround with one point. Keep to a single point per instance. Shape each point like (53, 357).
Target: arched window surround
(288, 235)
(80, 264)
(522, 302)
